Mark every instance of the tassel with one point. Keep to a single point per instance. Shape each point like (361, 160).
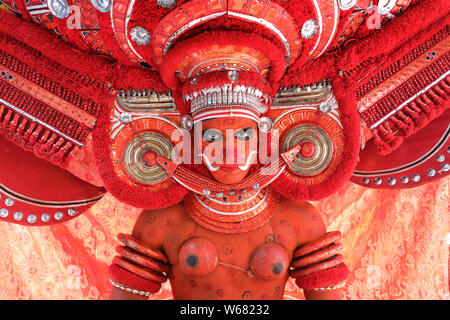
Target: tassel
(2, 109)
(414, 116)
(28, 133)
(22, 126)
(34, 137)
(44, 137)
(56, 145)
(440, 91)
(7, 117)
(14, 122)
(58, 157)
(46, 146)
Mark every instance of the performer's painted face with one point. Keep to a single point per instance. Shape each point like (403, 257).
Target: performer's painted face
(229, 147)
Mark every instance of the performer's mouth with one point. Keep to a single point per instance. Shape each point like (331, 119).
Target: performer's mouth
(229, 168)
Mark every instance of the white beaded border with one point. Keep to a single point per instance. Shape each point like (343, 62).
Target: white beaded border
(431, 172)
(331, 287)
(32, 218)
(128, 289)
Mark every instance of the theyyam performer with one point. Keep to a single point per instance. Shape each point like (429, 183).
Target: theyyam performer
(221, 120)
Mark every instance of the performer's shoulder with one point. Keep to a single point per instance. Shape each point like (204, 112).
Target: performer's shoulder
(304, 216)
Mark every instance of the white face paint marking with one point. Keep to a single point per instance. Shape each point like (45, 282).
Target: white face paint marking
(208, 163)
(248, 161)
(212, 168)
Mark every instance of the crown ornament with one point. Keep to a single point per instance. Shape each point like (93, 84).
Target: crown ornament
(227, 94)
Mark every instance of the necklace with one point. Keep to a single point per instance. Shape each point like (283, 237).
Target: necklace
(234, 213)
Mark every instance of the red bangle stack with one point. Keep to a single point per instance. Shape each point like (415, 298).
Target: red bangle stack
(317, 264)
(138, 268)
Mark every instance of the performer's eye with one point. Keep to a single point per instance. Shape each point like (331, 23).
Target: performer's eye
(212, 135)
(244, 134)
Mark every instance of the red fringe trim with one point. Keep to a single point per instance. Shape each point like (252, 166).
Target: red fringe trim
(81, 84)
(389, 135)
(323, 278)
(73, 60)
(33, 137)
(82, 72)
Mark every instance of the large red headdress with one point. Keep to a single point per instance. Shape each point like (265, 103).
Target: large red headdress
(289, 65)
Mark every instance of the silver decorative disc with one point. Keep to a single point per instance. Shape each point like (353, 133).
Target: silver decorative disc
(71, 212)
(187, 123)
(233, 75)
(310, 29)
(415, 177)
(125, 117)
(102, 5)
(4, 212)
(45, 217)
(431, 172)
(325, 107)
(59, 215)
(404, 179)
(265, 124)
(392, 181)
(18, 215)
(166, 4)
(9, 202)
(140, 35)
(59, 8)
(32, 218)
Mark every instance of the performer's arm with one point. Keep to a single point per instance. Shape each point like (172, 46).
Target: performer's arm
(317, 266)
(140, 268)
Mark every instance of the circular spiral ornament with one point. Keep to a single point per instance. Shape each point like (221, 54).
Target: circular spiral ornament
(134, 149)
(321, 138)
(140, 155)
(312, 138)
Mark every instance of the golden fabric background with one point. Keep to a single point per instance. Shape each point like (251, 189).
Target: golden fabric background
(396, 244)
